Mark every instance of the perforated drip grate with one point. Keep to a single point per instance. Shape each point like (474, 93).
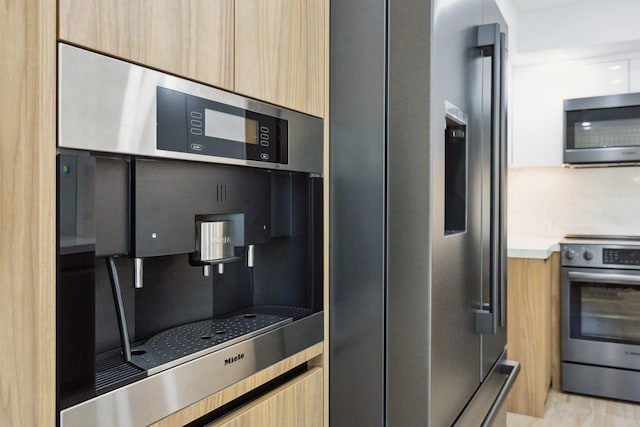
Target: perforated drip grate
(182, 343)
(112, 370)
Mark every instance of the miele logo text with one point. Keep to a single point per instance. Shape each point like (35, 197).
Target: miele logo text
(629, 153)
(233, 359)
(632, 353)
(222, 240)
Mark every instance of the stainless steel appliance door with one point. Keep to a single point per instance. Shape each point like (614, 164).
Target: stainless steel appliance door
(601, 317)
(358, 213)
(456, 79)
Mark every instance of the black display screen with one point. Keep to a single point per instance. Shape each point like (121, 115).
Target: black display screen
(190, 124)
(621, 256)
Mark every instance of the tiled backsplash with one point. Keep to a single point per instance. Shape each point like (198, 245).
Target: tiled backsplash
(554, 201)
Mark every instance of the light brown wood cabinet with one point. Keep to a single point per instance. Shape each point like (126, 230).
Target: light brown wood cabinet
(529, 330)
(27, 210)
(273, 50)
(294, 404)
(190, 38)
(280, 52)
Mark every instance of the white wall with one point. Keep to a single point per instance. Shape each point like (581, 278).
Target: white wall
(553, 202)
(578, 25)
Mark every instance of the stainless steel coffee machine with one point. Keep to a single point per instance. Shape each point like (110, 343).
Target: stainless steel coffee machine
(189, 239)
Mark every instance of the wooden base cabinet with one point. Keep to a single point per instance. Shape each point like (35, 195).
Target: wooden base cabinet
(529, 331)
(297, 403)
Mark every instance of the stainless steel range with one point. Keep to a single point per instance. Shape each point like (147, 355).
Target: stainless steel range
(600, 297)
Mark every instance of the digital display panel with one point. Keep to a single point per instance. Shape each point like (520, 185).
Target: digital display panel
(621, 256)
(229, 126)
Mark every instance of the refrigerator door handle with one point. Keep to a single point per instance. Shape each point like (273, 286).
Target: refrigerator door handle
(486, 404)
(502, 236)
(511, 369)
(492, 314)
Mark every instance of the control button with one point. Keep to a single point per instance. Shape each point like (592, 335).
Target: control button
(569, 254)
(264, 129)
(196, 123)
(264, 136)
(264, 143)
(264, 156)
(196, 147)
(588, 255)
(196, 114)
(196, 131)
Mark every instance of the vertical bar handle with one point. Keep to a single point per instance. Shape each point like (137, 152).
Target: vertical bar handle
(490, 43)
(503, 181)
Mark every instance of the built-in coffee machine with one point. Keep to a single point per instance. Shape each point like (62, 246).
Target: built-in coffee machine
(190, 236)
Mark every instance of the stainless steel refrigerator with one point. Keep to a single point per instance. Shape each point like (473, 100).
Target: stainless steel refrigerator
(418, 260)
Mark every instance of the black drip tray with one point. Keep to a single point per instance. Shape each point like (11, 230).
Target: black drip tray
(186, 342)
(112, 372)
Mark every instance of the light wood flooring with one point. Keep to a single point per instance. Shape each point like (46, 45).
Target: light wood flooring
(571, 410)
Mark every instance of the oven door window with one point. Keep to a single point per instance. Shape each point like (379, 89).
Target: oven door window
(604, 312)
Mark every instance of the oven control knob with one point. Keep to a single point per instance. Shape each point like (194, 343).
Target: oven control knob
(588, 255)
(569, 253)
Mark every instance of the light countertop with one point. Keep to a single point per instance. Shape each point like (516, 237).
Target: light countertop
(532, 247)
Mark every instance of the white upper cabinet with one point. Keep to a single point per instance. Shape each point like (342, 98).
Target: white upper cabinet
(537, 104)
(634, 75)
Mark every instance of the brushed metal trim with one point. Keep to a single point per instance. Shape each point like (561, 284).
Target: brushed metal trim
(601, 381)
(614, 279)
(598, 102)
(155, 397)
(109, 105)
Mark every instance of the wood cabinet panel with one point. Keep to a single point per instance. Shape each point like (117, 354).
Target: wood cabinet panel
(280, 52)
(215, 401)
(529, 332)
(190, 38)
(27, 210)
(297, 403)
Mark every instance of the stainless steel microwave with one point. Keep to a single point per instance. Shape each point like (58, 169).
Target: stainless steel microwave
(602, 130)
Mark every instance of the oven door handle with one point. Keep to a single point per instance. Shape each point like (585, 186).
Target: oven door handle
(617, 279)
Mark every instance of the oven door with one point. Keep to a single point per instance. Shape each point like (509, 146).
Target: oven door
(601, 317)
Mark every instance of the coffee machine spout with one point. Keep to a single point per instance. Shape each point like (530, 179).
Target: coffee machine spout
(137, 273)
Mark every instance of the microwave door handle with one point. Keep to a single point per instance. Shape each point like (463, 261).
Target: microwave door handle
(608, 278)
(489, 42)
